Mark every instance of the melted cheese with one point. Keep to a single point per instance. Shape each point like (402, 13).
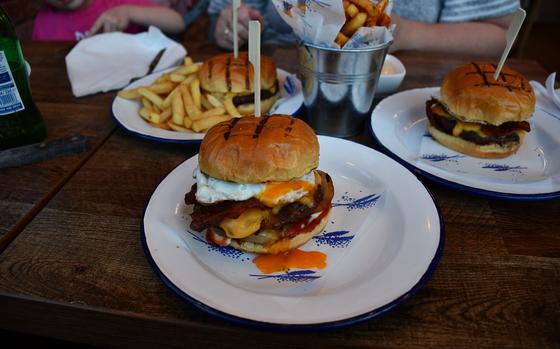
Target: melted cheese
(466, 126)
(246, 224)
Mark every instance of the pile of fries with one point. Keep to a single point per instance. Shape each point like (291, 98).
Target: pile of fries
(361, 13)
(175, 102)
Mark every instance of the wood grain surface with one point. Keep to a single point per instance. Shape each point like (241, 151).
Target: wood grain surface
(25, 190)
(78, 271)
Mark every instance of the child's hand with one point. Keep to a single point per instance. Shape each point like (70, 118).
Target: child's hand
(114, 19)
(223, 32)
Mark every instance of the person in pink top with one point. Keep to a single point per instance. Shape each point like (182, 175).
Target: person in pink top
(77, 19)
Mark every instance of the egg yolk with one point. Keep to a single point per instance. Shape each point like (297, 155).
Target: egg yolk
(273, 191)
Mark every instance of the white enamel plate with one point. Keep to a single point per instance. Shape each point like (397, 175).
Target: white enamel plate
(125, 112)
(382, 242)
(399, 124)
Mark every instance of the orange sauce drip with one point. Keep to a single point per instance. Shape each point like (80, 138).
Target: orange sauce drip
(271, 263)
(274, 190)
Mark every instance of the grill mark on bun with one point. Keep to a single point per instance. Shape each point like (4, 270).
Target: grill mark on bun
(228, 73)
(289, 128)
(230, 128)
(260, 126)
(503, 76)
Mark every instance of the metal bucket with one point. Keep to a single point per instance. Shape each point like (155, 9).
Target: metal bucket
(339, 86)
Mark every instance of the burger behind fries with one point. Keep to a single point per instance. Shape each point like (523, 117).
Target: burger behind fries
(230, 81)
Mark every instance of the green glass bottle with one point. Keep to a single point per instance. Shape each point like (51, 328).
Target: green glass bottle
(20, 120)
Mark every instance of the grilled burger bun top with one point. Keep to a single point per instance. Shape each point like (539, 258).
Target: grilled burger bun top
(225, 74)
(471, 94)
(255, 150)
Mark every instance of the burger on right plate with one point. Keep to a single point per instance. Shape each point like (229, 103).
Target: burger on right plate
(475, 134)
(479, 116)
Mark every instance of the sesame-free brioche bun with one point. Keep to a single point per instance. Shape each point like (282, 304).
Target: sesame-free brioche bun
(224, 73)
(282, 245)
(471, 94)
(492, 150)
(259, 149)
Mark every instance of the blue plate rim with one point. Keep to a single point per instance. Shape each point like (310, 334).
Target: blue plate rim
(293, 327)
(454, 185)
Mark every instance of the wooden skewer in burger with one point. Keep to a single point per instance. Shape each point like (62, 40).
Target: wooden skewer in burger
(257, 188)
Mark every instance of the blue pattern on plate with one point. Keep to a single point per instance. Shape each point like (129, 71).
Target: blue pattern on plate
(226, 251)
(336, 239)
(357, 204)
(292, 276)
(441, 157)
(503, 168)
(290, 85)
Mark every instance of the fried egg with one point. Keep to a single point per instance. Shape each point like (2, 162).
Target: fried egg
(211, 190)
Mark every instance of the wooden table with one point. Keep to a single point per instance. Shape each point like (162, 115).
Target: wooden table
(74, 267)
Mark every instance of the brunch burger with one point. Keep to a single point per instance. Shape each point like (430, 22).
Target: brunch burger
(257, 188)
(480, 116)
(225, 76)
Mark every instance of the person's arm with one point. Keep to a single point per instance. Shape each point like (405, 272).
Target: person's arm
(485, 38)
(118, 18)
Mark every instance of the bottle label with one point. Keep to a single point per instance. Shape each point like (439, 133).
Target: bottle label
(10, 100)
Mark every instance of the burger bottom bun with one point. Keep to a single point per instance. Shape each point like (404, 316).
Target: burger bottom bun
(249, 109)
(473, 149)
(281, 245)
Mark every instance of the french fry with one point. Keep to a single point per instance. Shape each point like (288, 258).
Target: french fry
(177, 77)
(367, 6)
(352, 10)
(163, 78)
(163, 125)
(146, 103)
(209, 113)
(381, 5)
(189, 79)
(354, 24)
(154, 98)
(230, 107)
(178, 109)
(145, 113)
(192, 110)
(187, 122)
(186, 70)
(158, 118)
(129, 94)
(384, 20)
(204, 124)
(205, 104)
(195, 92)
(177, 128)
(188, 61)
(162, 88)
(341, 39)
(167, 101)
(214, 101)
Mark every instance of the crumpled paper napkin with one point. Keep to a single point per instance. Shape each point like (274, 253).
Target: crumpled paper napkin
(111, 61)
